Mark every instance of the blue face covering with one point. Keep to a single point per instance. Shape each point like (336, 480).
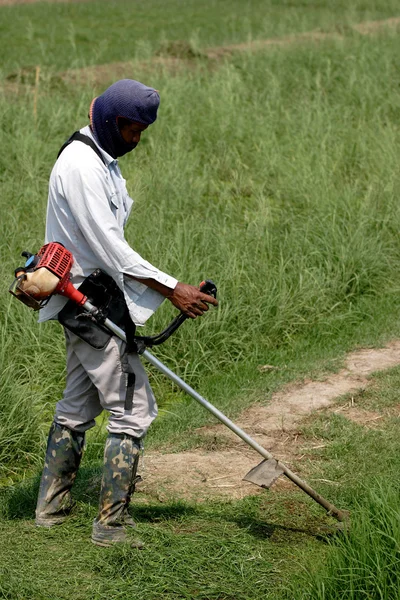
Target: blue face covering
(126, 98)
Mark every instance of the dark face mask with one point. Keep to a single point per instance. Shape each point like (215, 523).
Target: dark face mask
(119, 146)
(122, 147)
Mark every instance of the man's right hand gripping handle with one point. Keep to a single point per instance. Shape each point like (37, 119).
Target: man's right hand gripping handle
(190, 300)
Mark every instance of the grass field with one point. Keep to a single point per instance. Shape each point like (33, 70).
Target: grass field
(65, 35)
(276, 174)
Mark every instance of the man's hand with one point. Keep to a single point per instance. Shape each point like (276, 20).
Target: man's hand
(187, 298)
(190, 301)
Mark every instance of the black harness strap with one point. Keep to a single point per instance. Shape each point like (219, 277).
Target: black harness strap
(130, 329)
(130, 391)
(80, 137)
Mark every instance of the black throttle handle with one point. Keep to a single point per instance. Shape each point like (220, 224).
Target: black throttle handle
(208, 287)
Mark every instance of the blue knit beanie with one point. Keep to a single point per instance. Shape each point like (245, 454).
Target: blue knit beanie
(126, 98)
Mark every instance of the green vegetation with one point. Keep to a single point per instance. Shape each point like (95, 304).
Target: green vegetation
(363, 463)
(276, 174)
(270, 546)
(217, 550)
(66, 35)
(364, 563)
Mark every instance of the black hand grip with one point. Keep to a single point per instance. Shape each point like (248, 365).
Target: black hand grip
(208, 287)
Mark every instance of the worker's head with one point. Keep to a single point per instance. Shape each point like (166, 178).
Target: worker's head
(121, 113)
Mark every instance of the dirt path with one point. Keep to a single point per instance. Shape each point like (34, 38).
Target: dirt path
(365, 28)
(218, 473)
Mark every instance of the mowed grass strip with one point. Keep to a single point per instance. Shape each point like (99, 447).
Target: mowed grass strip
(215, 550)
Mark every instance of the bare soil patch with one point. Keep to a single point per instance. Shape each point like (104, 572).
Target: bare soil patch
(103, 74)
(365, 28)
(375, 26)
(367, 418)
(205, 474)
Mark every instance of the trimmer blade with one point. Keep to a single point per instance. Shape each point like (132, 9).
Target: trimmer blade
(264, 474)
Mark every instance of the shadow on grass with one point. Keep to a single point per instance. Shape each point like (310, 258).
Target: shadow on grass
(19, 502)
(262, 529)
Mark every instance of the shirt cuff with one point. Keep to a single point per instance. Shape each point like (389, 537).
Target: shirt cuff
(145, 270)
(166, 280)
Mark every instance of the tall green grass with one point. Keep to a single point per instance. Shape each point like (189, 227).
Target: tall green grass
(66, 35)
(364, 562)
(275, 174)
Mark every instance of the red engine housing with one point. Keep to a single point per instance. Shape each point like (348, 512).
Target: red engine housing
(58, 260)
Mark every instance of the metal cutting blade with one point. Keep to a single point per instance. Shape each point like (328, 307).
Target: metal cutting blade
(265, 474)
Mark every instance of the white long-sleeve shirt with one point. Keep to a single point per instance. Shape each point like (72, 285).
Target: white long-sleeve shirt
(88, 207)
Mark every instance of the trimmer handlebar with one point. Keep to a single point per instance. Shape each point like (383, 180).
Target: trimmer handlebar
(207, 287)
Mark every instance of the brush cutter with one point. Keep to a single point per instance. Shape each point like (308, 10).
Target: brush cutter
(48, 272)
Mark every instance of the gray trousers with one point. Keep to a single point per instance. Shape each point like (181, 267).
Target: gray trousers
(96, 381)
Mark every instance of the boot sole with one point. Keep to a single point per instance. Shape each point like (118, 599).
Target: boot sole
(127, 542)
(48, 523)
(103, 544)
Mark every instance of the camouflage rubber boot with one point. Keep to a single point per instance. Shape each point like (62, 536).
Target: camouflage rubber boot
(121, 457)
(63, 456)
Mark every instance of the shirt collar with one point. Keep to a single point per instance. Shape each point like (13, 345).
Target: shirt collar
(107, 157)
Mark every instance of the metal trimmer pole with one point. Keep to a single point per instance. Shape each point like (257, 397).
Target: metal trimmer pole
(340, 515)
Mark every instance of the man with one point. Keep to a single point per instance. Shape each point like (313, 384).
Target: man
(88, 207)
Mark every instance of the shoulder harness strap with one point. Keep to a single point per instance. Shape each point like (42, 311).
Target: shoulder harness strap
(80, 137)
